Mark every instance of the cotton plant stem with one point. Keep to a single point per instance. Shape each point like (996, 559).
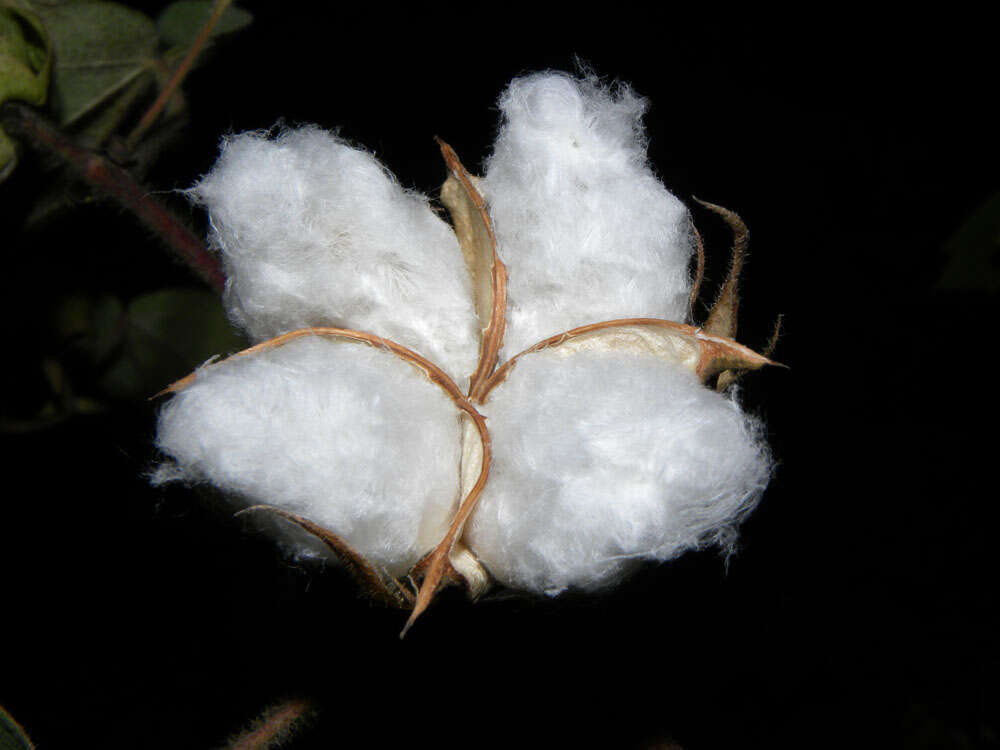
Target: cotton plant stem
(178, 76)
(109, 179)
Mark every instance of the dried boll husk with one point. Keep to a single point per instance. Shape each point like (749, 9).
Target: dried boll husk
(606, 444)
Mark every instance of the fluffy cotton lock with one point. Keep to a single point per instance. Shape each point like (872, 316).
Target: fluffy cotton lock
(587, 231)
(349, 436)
(605, 458)
(315, 232)
(602, 457)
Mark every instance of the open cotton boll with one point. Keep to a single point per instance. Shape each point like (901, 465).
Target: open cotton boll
(349, 436)
(315, 232)
(605, 458)
(586, 230)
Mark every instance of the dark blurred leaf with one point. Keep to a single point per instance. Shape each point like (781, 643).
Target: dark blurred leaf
(12, 737)
(95, 325)
(180, 22)
(974, 251)
(108, 329)
(71, 317)
(100, 50)
(167, 334)
(24, 69)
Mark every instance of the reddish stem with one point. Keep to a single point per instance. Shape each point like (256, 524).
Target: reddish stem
(111, 180)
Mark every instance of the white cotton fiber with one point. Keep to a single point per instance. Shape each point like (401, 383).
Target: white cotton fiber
(315, 232)
(587, 231)
(349, 436)
(605, 458)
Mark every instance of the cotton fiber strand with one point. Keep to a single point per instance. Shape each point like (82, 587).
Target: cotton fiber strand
(315, 232)
(349, 436)
(602, 459)
(586, 230)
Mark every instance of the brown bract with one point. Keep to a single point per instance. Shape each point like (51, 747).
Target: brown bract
(709, 351)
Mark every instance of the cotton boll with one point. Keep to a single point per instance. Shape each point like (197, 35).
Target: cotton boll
(605, 458)
(349, 436)
(586, 230)
(315, 232)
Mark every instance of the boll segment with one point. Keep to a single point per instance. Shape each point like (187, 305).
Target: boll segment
(585, 228)
(514, 399)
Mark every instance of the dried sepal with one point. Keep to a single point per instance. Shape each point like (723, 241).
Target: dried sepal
(699, 271)
(703, 354)
(722, 319)
(474, 230)
(728, 378)
(431, 370)
(473, 574)
(376, 582)
(724, 315)
(452, 561)
(438, 565)
(772, 341)
(475, 577)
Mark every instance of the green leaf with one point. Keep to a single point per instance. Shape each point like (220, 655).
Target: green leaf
(100, 50)
(168, 334)
(180, 22)
(24, 57)
(974, 251)
(24, 69)
(12, 737)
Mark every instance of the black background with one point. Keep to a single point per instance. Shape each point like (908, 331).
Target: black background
(857, 612)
